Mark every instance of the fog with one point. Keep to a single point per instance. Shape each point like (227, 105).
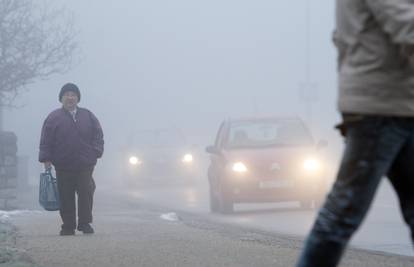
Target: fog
(189, 64)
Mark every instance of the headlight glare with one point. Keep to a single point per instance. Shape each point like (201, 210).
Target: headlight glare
(311, 165)
(239, 167)
(188, 158)
(134, 160)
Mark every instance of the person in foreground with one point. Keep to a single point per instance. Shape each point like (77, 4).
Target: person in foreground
(375, 43)
(72, 141)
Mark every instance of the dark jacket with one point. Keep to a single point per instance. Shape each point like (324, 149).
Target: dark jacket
(70, 145)
(374, 39)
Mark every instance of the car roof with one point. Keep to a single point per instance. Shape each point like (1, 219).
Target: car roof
(262, 118)
(157, 130)
(173, 131)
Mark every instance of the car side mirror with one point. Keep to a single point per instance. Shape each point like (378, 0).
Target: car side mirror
(212, 150)
(322, 144)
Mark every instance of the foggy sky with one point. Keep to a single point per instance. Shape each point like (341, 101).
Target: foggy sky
(189, 64)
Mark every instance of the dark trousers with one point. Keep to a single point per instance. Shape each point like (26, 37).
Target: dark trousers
(375, 146)
(71, 183)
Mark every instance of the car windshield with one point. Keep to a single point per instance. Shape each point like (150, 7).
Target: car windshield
(262, 133)
(158, 138)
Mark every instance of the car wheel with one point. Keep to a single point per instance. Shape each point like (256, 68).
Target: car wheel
(226, 206)
(225, 202)
(214, 202)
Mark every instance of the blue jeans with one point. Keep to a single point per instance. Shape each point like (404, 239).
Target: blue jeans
(375, 146)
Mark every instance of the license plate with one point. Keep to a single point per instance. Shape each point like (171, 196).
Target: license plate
(276, 184)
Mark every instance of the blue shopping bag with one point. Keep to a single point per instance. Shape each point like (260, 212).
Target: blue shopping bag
(48, 191)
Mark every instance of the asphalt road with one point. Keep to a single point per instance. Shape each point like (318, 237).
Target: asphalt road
(383, 230)
(145, 227)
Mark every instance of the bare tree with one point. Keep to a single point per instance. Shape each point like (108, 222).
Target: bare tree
(35, 42)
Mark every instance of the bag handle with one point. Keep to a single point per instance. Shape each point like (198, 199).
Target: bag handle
(49, 172)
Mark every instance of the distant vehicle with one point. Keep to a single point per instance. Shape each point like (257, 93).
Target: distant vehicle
(265, 160)
(159, 154)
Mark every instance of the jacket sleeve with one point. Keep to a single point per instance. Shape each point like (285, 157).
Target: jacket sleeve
(46, 141)
(396, 18)
(97, 136)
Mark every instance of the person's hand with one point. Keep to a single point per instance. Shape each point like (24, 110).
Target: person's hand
(407, 53)
(407, 50)
(48, 165)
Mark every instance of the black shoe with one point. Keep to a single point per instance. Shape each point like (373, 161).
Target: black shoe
(86, 228)
(67, 232)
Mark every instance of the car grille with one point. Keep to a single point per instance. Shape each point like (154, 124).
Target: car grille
(273, 170)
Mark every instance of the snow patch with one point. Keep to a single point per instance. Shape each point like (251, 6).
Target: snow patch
(171, 216)
(5, 215)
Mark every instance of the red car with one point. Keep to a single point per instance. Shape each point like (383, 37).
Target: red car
(265, 160)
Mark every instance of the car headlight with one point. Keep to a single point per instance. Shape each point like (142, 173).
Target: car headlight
(135, 161)
(239, 167)
(312, 165)
(188, 158)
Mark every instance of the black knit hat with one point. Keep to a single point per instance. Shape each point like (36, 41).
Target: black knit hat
(69, 87)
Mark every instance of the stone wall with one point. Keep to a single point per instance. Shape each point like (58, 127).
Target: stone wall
(8, 169)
